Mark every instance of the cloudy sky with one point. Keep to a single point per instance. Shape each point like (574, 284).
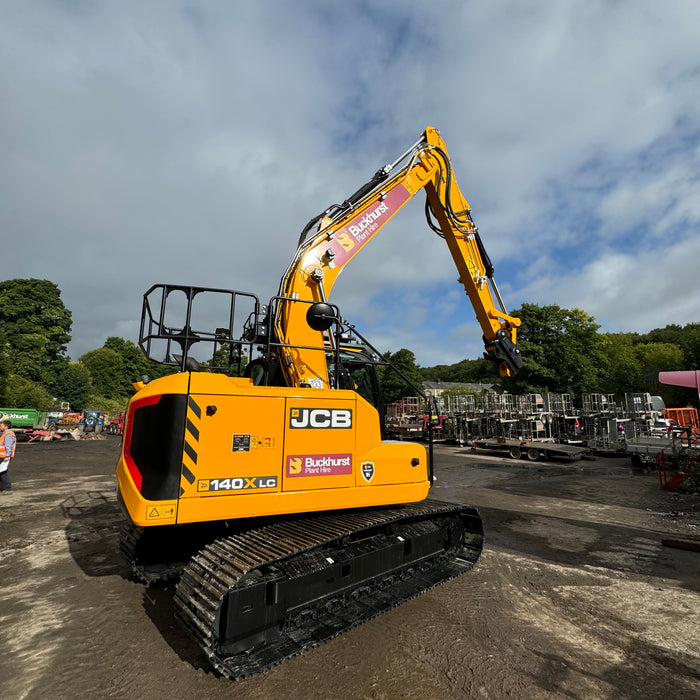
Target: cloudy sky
(190, 141)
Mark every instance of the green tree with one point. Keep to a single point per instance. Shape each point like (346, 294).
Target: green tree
(134, 363)
(562, 351)
(687, 338)
(106, 371)
(659, 357)
(466, 371)
(656, 357)
(393, 386)
(225, 361)
(37, 327)
(622, 371)
(4, 367)
(109, 406)
(23, 393)
(73, 385)
(690, 344)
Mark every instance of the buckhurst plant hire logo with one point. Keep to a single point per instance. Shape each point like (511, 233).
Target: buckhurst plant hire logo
(351, 237)
(357, 227)
(320, 418)
(319, 465)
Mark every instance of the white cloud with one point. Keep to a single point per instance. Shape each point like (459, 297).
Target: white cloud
(630, 291)
(657, 200)
(159, 142)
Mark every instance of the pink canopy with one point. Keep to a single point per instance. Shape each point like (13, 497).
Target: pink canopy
(689, 378)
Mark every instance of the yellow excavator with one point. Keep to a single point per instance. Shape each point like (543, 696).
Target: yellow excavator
(258, 474)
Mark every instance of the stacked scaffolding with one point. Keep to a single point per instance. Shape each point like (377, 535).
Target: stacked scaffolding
(599, 422)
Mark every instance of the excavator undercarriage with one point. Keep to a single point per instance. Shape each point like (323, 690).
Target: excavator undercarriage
(254, 599)
(255, 596)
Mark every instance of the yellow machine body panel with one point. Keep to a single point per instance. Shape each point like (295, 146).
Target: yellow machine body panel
(218, 448)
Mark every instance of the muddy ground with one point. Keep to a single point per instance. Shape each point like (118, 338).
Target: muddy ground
(575, 595)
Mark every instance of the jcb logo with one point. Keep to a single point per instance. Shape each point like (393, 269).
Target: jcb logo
(320, 418)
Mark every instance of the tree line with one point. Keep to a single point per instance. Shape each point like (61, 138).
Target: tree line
(35, 370)
(563, 351)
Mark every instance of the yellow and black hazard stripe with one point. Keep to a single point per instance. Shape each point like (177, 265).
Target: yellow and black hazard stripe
(189, 453)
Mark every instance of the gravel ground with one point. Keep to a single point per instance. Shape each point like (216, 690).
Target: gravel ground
(575, 596)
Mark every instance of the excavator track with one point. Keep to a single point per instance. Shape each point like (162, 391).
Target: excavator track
(141, 551)
(159, 554)
(259, 597)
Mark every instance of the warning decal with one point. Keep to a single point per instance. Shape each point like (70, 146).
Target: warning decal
(158, 512)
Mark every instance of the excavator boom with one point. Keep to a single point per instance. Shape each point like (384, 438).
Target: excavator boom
(343, 230)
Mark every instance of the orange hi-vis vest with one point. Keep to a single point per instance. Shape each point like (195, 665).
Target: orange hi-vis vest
(4, 456)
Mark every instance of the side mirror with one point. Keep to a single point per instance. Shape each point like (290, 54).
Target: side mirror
(320, 316)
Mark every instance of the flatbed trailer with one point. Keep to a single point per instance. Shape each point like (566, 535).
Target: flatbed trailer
(648, 450)
(534, 450)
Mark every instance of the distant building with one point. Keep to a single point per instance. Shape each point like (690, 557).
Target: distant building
(436, 388)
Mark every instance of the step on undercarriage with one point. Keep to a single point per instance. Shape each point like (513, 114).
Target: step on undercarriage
(256, 598)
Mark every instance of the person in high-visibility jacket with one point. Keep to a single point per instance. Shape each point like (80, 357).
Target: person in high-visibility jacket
(8, 441)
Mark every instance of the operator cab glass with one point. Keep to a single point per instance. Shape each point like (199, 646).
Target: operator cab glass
(357, 372)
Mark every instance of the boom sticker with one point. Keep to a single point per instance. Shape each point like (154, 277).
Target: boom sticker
(351, 237)
(319, 465)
